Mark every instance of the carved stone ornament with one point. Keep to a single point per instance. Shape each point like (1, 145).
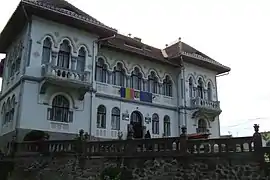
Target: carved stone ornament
(36, 54)
(57, 34)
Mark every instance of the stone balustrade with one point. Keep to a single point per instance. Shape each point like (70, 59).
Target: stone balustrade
(204, 103)
(173, 146)
(52, 71)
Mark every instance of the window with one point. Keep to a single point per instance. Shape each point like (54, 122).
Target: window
(209, 91)
(7, 112)
(167, 86)
(136, 79)
(64, 55)
(119, 75)
(202, 126)
(167, 126)
(81, 60)
(152, 83)
(101, 71)
(12, 69)
(60, 110)
(101, 117)
(3, 114)
(200, 88)
(155, 124)
(46, 52)
(17, 64)
(12, 110)
(115, 119)
(190, 81)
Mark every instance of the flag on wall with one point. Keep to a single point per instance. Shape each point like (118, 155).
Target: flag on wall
(127, 93)
(146, 96)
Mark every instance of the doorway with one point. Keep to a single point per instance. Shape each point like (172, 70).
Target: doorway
(136, 121)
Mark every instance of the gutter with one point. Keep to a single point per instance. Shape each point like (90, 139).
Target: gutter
(93, 77)
(223, 74)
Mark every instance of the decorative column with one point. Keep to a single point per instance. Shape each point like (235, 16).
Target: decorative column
(128, 81)
(73, 62)
(195, 93)
(144, 85)
(204, 93)
(160, 88)
(54, 58)
(110, 76)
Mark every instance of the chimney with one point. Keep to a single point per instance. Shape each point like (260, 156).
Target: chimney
(166, 45)
(137, 39)
(129, 35)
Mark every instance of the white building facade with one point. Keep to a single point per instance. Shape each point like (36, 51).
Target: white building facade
(65, 71)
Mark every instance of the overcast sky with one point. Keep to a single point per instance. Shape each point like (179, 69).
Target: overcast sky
(233, 32)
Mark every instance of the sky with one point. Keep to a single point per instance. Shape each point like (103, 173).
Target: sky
(235, 33)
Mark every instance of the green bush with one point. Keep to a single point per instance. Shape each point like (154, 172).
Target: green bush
(111, 173)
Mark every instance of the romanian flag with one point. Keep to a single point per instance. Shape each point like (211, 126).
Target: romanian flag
(127, 93)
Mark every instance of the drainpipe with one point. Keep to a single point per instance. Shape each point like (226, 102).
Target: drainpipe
(93, 76)
(184, 90)
(178, 99)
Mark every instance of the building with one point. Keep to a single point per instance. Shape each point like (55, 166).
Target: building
(65, 71)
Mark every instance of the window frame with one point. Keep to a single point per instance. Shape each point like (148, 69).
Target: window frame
(101, 117)
(115, 117)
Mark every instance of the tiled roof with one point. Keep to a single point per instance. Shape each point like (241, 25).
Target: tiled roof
(132, 45)
(169, 55)
(62, 6)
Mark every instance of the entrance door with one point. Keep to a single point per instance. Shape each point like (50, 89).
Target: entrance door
(136, 121)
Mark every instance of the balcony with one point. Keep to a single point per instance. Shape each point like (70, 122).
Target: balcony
(66, 78)
(205, 108)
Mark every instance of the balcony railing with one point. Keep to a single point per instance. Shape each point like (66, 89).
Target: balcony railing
(202, 130)
(204, 103)
(65, 74)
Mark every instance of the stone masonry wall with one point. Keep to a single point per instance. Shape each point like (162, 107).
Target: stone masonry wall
(71, 168)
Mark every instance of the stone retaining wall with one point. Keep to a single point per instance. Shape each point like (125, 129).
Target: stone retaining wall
(71, 168)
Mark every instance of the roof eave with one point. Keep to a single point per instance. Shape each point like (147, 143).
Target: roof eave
(14, 26)
(18, 20)
(218, 68)
(138, 54)
(71, 20)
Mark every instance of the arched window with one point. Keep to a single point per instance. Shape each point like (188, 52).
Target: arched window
(202, 126)
(119, 75)
(12, 69)
(136, 79)
(101, 71)
(12, 110)
(209, 91)
(167, 86)
(3, 114)
(190, 83)
(167, 126)
(64, 55)
(152, 83)
(7, 111)
(81, 60)
(60, 110)
(46, 52)
(200, 88)
(101, 117)
(155, 124)
(115, 119)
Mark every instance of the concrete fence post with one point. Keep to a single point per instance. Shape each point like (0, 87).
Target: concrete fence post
(183, 140)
